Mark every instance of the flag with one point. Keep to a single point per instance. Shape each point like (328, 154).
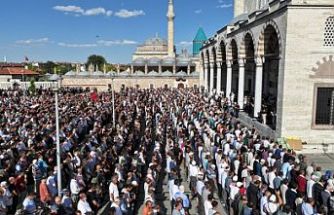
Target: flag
(26, 59)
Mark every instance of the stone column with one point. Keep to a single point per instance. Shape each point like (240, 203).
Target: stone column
(212, 69)
(205, 76)
(241, 84)
(131, 70)
(188, 69)
(258, 86)
(174, 69)
(146, 68)
(160, 68)
(219, 75)
(228, 79)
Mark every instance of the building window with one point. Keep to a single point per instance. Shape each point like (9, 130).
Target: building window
(151, 86)
(329, 32)
(325, 106)
(166, 86)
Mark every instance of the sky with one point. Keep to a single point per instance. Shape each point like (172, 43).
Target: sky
(71, 30)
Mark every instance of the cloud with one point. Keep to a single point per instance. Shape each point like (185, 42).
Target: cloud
(76, 45)
(98, 43)
(116, 42)
(78, 11)
(198, 11)
(33, 41)
(224, 6)
(185, 43)
(124, 13)
(69, 8)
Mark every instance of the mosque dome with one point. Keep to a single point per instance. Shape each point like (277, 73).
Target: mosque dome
(155, 41)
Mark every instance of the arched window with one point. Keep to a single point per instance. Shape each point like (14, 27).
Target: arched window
(329, 32)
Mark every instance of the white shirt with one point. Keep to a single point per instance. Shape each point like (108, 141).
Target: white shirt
(271, 177)
(207, 207)
(193, 170)
(309, 188)
(74, 187)
(199, 187)
(84, 207)
(113, 189)
(234, 191)
(264, 201)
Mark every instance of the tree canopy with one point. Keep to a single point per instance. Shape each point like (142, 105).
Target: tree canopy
(96, 60)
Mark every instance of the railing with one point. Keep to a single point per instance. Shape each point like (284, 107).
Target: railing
(26, 85)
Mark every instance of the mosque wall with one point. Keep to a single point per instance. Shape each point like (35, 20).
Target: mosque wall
(308, 65)
(102, 84)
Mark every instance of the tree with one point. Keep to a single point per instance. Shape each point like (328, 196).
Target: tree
(32, 87)
(48, 67)
(96, 60)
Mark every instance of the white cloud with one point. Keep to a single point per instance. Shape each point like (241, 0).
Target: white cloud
(224, 6)
(95, 11)
(116, 42)
(185, 43)
(76, 45)
(69, 8)
(198, 11)
(33, 41)
(78, 11)
(124, 13)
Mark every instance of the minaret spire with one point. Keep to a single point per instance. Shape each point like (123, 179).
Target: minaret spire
(170, 17)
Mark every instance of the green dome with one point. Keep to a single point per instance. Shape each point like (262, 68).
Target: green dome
(198, 41)
(200, 36)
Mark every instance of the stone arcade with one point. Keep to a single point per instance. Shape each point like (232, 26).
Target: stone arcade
(276, 57)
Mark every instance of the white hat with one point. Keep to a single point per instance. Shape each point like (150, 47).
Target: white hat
(193, 163)
(239, 184)
(273, 198)
(235, 178)
(134, 183)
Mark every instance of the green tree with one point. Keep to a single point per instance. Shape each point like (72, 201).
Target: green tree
(48, 67)
(96, 60)
(32, 87)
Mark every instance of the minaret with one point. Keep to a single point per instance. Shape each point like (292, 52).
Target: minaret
(171, 16)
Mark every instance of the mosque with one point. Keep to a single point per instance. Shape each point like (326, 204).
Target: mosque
(155, 63)
(275, 60)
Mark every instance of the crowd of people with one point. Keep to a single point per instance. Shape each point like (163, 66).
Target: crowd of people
(184, 138)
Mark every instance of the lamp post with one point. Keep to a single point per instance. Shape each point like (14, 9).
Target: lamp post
(55, 78)
(112, 76)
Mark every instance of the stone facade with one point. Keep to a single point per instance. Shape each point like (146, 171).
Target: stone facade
(103, 84)
(275, 48)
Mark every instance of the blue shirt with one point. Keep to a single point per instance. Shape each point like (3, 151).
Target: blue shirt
(29, 205)
(184, 197)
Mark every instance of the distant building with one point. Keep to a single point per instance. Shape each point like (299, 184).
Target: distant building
(9, 71)
(155, 63)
